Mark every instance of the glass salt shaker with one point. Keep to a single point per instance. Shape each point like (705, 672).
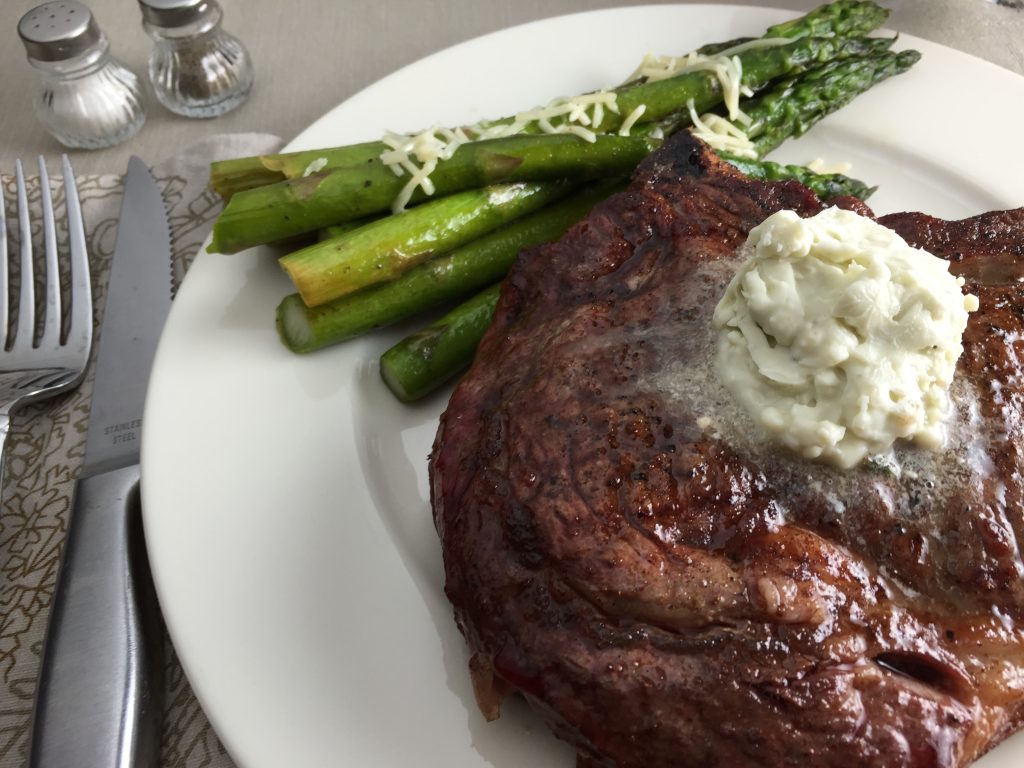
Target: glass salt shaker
(197, 69)
(88, 99)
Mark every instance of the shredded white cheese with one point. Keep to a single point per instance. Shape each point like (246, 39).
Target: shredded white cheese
(315, 167)
(653, 68)
(631, 118)
(575, 115)
(818, 165)
(418, 154)
(726, 66)
(720, 134)
(728, 70)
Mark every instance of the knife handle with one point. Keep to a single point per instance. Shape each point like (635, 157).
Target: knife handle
(98, 700)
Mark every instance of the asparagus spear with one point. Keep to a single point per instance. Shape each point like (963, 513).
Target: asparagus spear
(433, 283)
(843, 18)
(421, 363)
(235, 174)
(336, 230)
(661, 98)
(273, 212)
(384, 249)
(825, 185)
(792, 106)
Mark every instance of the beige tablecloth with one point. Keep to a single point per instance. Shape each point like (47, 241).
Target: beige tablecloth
(310, 55)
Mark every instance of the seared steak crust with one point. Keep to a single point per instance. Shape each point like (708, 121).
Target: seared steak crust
(665, 590)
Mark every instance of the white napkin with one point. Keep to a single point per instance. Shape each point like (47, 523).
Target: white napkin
(191, 204)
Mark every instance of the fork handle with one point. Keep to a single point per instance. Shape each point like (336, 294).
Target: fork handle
(98, 702)
(5, 427)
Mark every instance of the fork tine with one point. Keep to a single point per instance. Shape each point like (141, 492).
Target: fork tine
(80, 325)
(50, 336)
(5, 298)
(26, 301)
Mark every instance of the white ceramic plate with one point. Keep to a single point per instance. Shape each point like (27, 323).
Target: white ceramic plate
(285, 497)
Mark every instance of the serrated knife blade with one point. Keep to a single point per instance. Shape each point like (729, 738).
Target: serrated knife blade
(138, 299)
(98, 699)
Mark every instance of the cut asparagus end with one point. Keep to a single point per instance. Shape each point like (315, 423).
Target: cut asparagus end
(293, 325)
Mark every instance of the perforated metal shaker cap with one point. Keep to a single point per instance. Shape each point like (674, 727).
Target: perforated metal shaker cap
(58, 30)
(173, 13)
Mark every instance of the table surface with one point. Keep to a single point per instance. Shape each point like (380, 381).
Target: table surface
(310, 55)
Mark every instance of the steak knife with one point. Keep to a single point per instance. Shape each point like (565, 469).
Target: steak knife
(98, 700)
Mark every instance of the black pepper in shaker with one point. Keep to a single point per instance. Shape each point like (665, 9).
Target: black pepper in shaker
(197, 69)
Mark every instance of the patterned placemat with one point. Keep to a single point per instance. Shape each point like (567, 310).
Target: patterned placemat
(44, 454)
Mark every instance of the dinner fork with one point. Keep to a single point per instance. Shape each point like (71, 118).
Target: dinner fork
(39, 358)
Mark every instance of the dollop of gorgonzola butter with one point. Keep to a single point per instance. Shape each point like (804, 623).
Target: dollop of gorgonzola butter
(839, 338)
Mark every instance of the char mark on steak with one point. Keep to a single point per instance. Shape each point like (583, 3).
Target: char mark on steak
(666, 590)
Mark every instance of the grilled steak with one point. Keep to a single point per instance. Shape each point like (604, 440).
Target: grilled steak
(622, 549)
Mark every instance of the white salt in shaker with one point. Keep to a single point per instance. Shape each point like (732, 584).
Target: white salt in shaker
(87, 99)
(197, 69)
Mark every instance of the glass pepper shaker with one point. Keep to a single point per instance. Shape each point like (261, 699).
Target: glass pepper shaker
(88, 99)
(197, 69)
